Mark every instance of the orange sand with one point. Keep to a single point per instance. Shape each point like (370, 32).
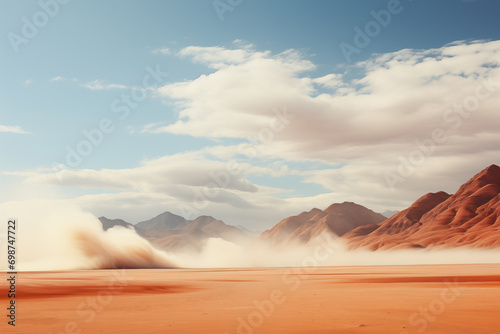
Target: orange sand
(379, 299)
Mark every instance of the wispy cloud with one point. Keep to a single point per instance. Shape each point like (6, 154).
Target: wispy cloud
(100, 85)
(242, 44)
(27, 82)
(152, 128)
(13, 129)
(58, 78)
(162, 51)
(218, 57)
(92, 85)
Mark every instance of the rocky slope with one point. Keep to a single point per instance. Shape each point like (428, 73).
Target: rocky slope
(470, 217)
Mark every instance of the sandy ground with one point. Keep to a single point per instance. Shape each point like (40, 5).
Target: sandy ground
(381, 299)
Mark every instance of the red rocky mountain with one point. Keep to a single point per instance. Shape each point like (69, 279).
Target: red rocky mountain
(338, 218)
(470, 217)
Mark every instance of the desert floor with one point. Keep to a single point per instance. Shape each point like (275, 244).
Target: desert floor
(380, 299)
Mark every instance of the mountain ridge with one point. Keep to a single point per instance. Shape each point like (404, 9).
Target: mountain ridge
(171, 232)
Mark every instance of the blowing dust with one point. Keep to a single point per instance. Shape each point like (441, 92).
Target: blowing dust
(50, 236)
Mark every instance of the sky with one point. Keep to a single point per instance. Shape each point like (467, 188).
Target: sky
(248, 111)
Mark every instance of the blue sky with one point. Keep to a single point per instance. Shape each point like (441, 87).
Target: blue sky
(64, 80)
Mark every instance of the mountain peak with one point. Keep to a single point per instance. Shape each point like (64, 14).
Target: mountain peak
(202, 221)
(337, 219)
(493, 169)
(164, 220)
(344, 207)
(204, 217)
(490, 174)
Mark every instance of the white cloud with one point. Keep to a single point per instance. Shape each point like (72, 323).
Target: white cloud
(12, 129)
(174, 174)
(27, 82)
(390, 103)
(100, 85)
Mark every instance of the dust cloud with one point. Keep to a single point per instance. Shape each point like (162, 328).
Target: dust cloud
(52, 235)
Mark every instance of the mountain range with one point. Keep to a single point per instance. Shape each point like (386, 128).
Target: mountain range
(470, 217)
(171, 232)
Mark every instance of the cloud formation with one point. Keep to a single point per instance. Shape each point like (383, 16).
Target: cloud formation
(394, 97)
(367, 118)
(360, 123)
